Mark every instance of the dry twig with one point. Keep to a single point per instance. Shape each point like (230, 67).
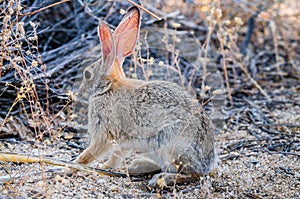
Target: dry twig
(45, 8)
(144, 9)
(26, 158)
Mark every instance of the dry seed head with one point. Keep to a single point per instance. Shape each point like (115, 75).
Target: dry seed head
(18, 45)
(4, 38)
(69, 93)
(122, 11)
(18, 59)
(32, 38)
(216, 92)
(218, 13)
(43, 67)
(227, 22)
(40, 184)
(20, 29)
(209, 18)
(19, 7)
(6, 20)
(161, 182)
(73, 116)
(69, 136)
(58, 178)
(134, 76)
(195, 101)
(238, 21)
(212, 11)
(20, 96)
(10, 7)
(206, 88)
(161, 63)
(34, 63)
(72, 95)
(32, 24)
(151, 60)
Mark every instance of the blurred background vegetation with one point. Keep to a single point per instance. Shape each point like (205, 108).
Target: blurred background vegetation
(239, 57)
(251, 45)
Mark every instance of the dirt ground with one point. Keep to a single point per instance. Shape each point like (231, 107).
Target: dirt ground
(249, 166)
(257, 140)
(260, 164)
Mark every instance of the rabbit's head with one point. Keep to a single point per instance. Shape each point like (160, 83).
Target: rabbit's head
(104, 75)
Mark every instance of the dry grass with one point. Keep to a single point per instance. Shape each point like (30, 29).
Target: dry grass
(203, 45)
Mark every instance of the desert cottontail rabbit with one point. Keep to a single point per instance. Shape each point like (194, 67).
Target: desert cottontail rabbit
(158, 119)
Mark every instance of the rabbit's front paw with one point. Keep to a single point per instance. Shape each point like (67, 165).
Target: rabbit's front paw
(105, 166)
(114, 161)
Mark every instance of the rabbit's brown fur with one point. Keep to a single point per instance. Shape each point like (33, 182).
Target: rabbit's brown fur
(159, 119)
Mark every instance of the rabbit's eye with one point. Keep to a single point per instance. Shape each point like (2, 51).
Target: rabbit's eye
(87, 75)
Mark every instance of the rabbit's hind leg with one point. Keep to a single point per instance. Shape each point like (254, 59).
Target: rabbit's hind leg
(142, 166)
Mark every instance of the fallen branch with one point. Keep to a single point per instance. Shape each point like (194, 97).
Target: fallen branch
(254, 82)
(144, 9)
(26, 158)
(44, 8)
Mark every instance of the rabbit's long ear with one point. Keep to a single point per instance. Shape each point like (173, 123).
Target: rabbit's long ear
(108, 46)
(126, 34)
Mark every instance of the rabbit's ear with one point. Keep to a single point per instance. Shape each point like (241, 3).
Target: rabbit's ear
(108, 46)
(126, 34)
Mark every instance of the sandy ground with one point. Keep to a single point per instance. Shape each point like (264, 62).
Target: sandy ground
(246, 169)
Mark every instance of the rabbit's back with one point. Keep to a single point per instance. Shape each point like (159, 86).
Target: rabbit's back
(147, 105)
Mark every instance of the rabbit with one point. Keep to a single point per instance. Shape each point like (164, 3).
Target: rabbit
(159, 119)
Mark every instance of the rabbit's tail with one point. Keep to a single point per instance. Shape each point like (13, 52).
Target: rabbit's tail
(201, 165)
